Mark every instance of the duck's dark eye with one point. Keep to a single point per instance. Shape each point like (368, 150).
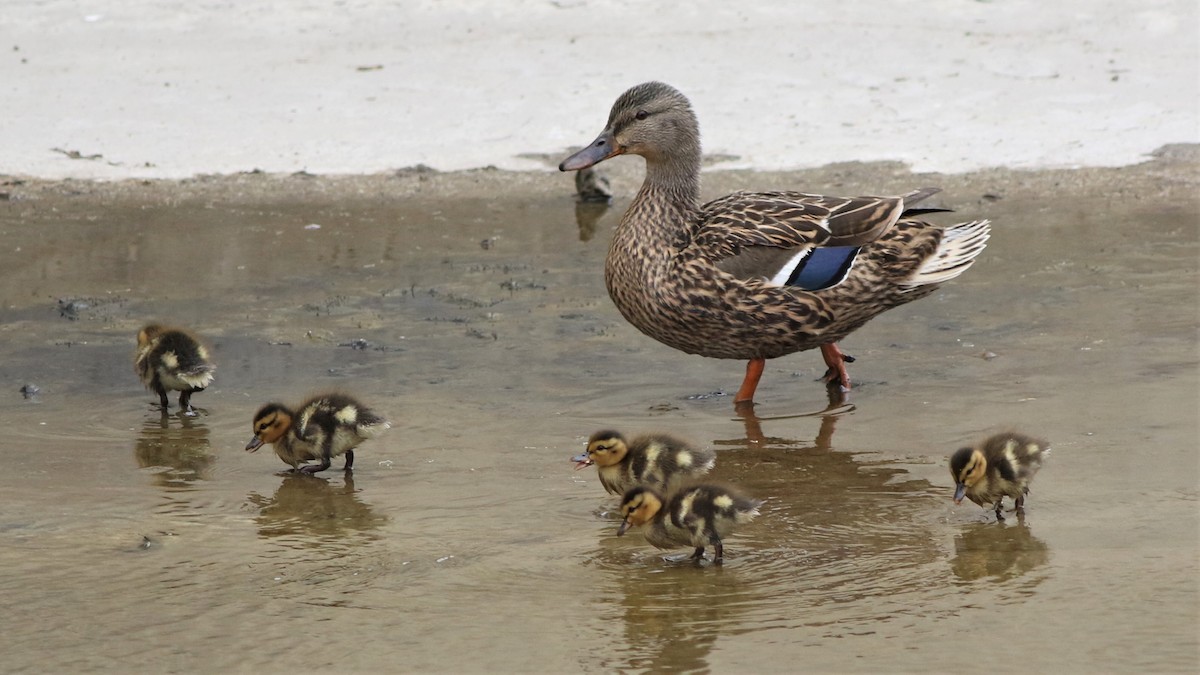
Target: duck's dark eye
(641, 115)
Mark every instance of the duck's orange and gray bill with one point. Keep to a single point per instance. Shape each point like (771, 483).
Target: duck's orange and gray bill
(254, 444)
(602, 148)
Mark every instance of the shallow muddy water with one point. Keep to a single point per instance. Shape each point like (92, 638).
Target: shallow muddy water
(470, 309)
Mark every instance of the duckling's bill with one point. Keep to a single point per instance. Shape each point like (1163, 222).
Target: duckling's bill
(960, 489)
(582, 461)
(624, 526)
(254, 444)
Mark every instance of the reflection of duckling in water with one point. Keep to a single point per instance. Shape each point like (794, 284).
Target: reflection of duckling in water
(322, 428)
(696, 516)
(185, 449)
(306, 506)
(1002, 465)
(992, 550)
(172, 359)
(660, 461)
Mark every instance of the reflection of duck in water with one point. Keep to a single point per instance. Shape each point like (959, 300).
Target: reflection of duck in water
(699, 516)
(1001, 466)
(988, 550)
(305, 506)
(322, 428)
(660, 461)
(172, 359)
(184, 449)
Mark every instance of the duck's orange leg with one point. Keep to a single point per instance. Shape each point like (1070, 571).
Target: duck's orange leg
(836, 360)
(754, 371)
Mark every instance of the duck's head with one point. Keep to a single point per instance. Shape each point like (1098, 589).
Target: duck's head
(653, 120)
(271, 422)
(638, 507)
(604, 448)
(967, 466)
(148, 333)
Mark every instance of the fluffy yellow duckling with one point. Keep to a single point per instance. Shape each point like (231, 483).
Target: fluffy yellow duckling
(322, 428)
(172, 359)
(696, 516)
(661, 461)
(1001, 466)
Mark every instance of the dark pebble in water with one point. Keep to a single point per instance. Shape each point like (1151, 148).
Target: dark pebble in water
(29, 390)
(356, 344)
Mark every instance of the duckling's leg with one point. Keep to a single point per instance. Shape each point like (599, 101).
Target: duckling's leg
(185, 401)
(699, 554)
(999, 515)
(836, 359)
(718, 552)
(1020, 507)
(349, 461)
(754, 371)
(162, 396)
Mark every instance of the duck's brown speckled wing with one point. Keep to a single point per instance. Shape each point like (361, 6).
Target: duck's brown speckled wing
(751, 233)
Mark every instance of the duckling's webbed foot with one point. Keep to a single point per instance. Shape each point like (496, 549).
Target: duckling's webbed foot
(315, 468)
(836, 361)
(699, 554)
(349, 466)
(999, 510)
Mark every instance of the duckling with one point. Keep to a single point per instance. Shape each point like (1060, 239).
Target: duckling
(1002, 465)
(695, 516)
(172, 359)
(661, 461)
(323, 427)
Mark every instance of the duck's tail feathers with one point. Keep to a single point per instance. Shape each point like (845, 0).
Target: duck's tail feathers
(954, 255)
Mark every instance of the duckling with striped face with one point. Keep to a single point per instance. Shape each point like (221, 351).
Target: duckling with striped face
(172, 359)
(322, 428)
(699, 516)
(661, 461)
(1002, 465)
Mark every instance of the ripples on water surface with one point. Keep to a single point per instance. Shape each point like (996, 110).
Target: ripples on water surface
(464, 541)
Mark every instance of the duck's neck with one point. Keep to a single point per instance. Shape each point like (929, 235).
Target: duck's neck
(667, 205)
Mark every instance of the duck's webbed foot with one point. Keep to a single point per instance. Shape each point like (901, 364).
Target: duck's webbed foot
(836, 361)
(999, 510)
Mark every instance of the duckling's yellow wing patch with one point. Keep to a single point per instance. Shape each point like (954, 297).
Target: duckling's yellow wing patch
(347, 415)
(723, 501)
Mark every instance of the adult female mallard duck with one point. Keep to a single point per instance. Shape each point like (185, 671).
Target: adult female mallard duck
(660, 461)
(757, 275)
(1001, 466)
(322, 427)
(699, 516)
(172, 359)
